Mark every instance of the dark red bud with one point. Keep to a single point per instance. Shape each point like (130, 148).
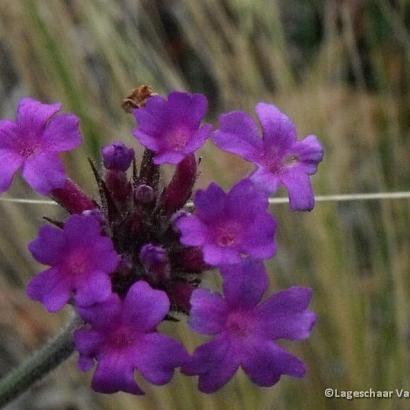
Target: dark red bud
(190, 260)
(180, 294)
(117, 184)
(72, 198)
(179, 190)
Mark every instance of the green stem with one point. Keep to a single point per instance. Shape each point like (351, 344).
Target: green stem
(38, 365)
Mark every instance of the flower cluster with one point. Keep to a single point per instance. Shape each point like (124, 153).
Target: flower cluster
(136, 255)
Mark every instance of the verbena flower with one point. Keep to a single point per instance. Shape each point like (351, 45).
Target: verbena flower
(135, 256)
(122, 339)
(33, 143)
(244, 330)
(80, 260)
(280, 158)
(172, 128)
(229, 225)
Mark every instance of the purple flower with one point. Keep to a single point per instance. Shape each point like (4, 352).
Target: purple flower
(280, 158)
(33, 142)
(244, 329)
(81, 260)
(122, 339)
(117, 156)
(227, 226)
(172, 128)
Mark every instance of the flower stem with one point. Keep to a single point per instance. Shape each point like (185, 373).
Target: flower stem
(38, 365)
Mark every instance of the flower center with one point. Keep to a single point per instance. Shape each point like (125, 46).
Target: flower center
(275, 163)
(122, 338)
(77, 261)
(26, 150)
(290, 160)
(178, 139)
(227, 234)
(237, 324)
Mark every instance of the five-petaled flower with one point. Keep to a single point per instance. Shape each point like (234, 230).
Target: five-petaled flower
(122, 338)
(33, 143)
(280, 158)
(81, 259)
(230, 225)
(172, 128)
(244, 329)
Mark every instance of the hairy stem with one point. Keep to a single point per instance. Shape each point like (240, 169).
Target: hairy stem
(38, 365)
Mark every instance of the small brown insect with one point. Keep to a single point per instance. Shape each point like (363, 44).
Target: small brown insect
(137, 98)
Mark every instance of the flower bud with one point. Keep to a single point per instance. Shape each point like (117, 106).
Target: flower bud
(180, 295)
(72, 198)
(179, 190)
(156, 263)
(190, 260)
(117, 156)
(144, 194)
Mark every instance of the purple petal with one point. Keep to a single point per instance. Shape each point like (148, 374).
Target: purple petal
(87, 342)
(49, 288)
(210, 203)
(215, 363)
(169, 157)
(219, 256)
(198, 139)
(208, 312)
(265, 362)
(62, 133)
(145, 307)
(259, 240)
(147, 140)
(105, 315)
(115, 373)
(10, 163)
(44, 172)
(150, 118)
(187, 108)
(245, 200)
(82, 229)
(265, 180)
(301, 197)
(278, 129)
(293, 326)
(157, 356)
(309, 152)
(33, 115)
(103, 255)
(293, 300)
(238, 134)
(48, 247)
(193, 231)
(9, 135)
(93, 287)
(85, 363)
(244, 284)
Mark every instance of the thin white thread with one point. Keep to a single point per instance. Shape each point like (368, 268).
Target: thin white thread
(28, 201)
(318, 198)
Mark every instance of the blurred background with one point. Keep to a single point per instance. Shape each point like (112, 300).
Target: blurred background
(339, 68)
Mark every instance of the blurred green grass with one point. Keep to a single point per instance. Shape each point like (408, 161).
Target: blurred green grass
(338, 68)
